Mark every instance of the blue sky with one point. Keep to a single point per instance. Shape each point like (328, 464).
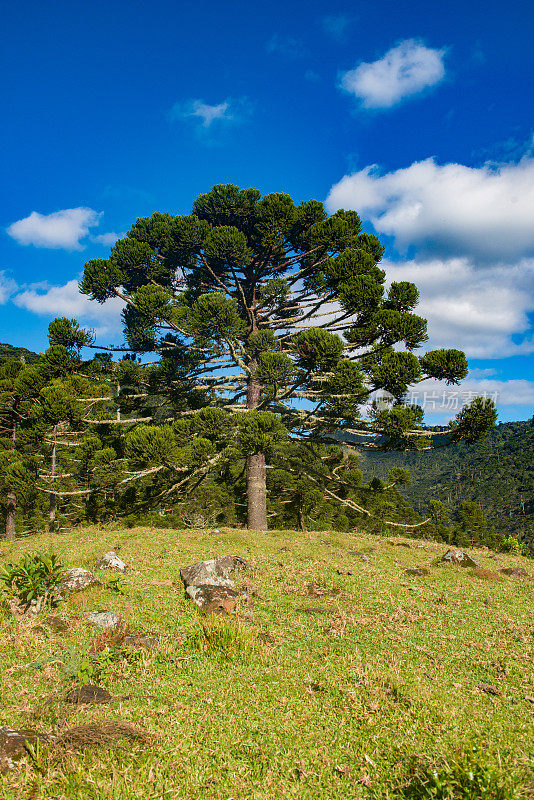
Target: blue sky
(418, 116)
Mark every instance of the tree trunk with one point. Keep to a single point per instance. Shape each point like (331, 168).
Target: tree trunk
(256, 492)
(53, 499)
(300, 518)
(11, 497)
(10, 514)
(256, 472)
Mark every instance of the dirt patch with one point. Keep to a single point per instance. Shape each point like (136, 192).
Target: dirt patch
(515, 572)
(97, 734)
(487, 574)
(88, 695)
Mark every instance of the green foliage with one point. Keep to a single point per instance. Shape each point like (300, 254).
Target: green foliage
(67, 332)
(259, 432)
(32, 577)
(474, 421)
(86, 666)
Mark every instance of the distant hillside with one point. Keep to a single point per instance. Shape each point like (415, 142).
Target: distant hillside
(497, 473)
(9, 352)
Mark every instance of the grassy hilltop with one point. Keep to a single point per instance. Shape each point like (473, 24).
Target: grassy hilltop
(375, 684)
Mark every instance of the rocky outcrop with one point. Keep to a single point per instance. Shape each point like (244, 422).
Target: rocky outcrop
(453, 556)
(209, 585)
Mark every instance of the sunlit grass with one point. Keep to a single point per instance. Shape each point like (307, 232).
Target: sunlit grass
(321, 684)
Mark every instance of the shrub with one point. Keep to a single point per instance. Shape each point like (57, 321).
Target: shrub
(32, 577)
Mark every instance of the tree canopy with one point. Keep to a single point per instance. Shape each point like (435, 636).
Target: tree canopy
(277, 315)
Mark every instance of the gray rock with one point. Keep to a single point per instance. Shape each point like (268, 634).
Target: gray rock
(76, 580)
(209, 585)
(107, 620)
(453, 556)
(111, 561)
(214, 599)
(214, 572)
(14, 745)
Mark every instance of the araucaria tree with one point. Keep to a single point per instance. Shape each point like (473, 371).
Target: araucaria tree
(277, 314)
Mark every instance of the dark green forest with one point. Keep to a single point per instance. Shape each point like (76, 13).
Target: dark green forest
(480, 492)
(497, 473)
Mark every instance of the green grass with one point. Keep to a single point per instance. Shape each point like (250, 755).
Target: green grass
(364, 689)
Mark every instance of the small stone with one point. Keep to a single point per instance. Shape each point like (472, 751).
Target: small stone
(111, 561)
(529, 698)
(365, 559)
(486, 687)
(216, 532)
(14, 745)
(398, 544)
(453, 556)
(344, 572)
(106, 620)
(76, 580)
(88, 695)
(515, 572)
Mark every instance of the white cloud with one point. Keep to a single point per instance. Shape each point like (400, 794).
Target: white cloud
(66, 301)
(485, 212)
(402, 72)
(108, 239)
(480, 312)
(205, 113)
(59, 230)
(7, 287)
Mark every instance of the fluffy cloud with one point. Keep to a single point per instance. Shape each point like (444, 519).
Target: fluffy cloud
(7, 287)
(205, 113)
(66, 301)
(485, 212)
(59, 230)
(441, 402)
(402, 72)
(479, 311)
(108, 239)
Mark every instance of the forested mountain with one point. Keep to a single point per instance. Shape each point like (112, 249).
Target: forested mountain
(9, 352)
(496, 472)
